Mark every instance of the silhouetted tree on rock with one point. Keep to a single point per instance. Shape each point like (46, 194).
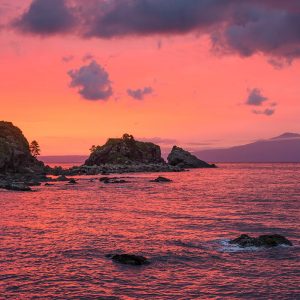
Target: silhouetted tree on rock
(35, 149)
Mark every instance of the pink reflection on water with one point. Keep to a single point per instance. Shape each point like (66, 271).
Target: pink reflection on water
(53, 241)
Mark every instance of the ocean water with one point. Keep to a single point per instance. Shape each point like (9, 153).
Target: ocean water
(53, 241)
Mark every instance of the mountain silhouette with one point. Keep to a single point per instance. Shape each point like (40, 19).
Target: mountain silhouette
(283, 148)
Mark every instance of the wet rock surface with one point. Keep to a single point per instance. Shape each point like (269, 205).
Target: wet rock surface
(15, 186)
(73, 181)
(161, 179)
(271, 240)
(21, 182)
(108, 180)
(114, 169)
(129, 259)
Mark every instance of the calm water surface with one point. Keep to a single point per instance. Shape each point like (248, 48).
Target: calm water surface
(53, 241)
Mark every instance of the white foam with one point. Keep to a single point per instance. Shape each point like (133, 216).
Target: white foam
(227, 247)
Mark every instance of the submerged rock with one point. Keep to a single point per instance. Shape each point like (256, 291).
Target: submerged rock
(129, 259)
(272, 240)
(107, 180)
(184, 159)
(126, 151)
(15, 186)
(161, 179)
(72, 181)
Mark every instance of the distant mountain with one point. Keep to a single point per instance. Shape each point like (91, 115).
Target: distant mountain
(287, 135)
(283, 148)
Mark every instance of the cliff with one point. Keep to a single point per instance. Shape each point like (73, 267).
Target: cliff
(15, 156)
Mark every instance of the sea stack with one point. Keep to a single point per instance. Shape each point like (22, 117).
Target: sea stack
(125, 151)
(184, 159)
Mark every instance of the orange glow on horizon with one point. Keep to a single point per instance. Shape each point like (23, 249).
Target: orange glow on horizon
(198, 97)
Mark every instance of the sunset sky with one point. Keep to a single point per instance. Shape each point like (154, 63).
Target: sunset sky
(197, 73)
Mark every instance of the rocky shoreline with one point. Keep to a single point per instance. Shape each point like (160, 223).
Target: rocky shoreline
(105, 169)
(20, 168)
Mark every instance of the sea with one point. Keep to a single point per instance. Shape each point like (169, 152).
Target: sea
(54, 240)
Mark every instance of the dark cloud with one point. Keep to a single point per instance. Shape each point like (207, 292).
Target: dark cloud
(139, 94)
(271, 27)
(45, 17)
(93, 82)
(267, 112)
(256, 98)
(274, 32)
(148, 17)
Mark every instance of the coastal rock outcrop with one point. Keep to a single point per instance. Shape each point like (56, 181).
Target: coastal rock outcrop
(271, 240)
(112, 180)
(15, 186)
(184, 159)
(15, 156)
(125, 151)
(161, 179)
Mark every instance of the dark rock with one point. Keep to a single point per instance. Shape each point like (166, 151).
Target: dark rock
(72, 181)
(245, 241)
(120, 169)
(107, 180)
(62, 178)
(56, 171)
(161, 179)
(104, 179)
(33, 183)
(184, 159)
(125, 151)
(15, 186)
(15, 156)
(104, 173)
(129, 259)
(272, 240)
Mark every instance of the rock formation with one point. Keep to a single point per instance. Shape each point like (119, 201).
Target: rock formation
(129, 259)
(161, 179)
(184, 159)
(272, 240)
(125, 151)
(15, 156)
(18, 168)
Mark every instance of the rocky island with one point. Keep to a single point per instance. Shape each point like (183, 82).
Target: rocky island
(127, 155)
